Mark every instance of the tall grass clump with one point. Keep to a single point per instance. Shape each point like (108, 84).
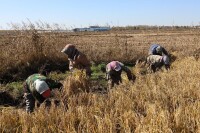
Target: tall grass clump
(29, 50)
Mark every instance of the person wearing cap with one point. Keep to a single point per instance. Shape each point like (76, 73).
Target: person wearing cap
(76, 59)
(156, 49)
(38, 87)
(113, 73)
(155, 62)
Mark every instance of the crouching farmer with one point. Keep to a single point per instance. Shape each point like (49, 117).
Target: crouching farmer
(156, 49)
(155, 62)
(76, 59)
(113, 73)
(37, 87)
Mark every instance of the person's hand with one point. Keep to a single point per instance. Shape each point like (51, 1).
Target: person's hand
(132, 78)
(167, 67)
(25, 94)
(71, 68)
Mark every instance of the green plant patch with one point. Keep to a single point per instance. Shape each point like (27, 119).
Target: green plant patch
(15, 88)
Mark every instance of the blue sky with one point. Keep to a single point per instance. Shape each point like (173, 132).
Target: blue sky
(82, 13)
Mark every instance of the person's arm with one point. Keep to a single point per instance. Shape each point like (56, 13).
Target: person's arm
(152, 49)
(108, 72)
(25, 87)
(164, 51)
(53, 84)
(71, 66)
(167, 67)
(127, 70)
(82, 59)
(150, 52)
(88, 70)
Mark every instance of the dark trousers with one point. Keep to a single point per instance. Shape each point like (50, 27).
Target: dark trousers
(30, 102)
(113, 82)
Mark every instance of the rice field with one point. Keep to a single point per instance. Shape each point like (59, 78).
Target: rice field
(165, 101)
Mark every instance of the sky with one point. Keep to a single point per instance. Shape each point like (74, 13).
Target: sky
(83, 13)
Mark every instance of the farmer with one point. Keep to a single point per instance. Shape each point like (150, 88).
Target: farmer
(156, 49)
(76, 59)
(113, 73)
(155, 62)
(38, 87)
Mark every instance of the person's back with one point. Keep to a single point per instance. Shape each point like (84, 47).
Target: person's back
(156, 49)
(113, 73)
(81, 62)
(77, 59)
(155, 62)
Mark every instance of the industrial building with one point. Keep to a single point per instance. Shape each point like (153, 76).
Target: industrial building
(92, 28)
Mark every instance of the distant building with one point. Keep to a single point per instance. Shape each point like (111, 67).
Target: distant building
(81, 29)
(92, 28)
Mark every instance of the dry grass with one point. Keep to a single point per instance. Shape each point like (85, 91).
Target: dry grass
(30, 50)
(76, 82)
(160, 102)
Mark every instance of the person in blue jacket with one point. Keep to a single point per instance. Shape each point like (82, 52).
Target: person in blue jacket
(156, 49)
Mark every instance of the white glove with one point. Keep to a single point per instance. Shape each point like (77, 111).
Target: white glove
(25, 94)
(71, 68)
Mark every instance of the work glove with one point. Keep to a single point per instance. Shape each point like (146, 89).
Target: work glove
(25, 95)
(71, 68)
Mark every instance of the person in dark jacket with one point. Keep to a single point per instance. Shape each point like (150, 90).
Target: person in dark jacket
(38, 87)
(77, 59)
(156, 49)
(113, 73)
